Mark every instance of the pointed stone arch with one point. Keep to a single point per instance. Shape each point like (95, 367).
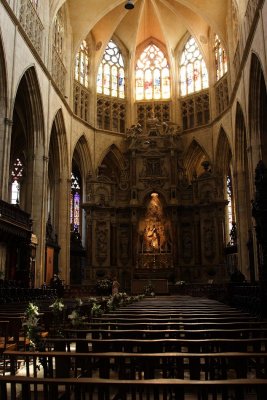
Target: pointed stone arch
(58, 139)
(81, 171)
(26, 146)
(57, 200)
(81, 166)
(29, 94)
(241, 158)
(243, 196)
(225, 182)
(27, 137)
(58, 164)
(257, 111)
(193, 159)
(223, 153)
(81, 156)
(115, 161)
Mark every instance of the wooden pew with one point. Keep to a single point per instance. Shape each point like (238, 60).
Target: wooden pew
(122, 365)
(15, 331)
(176, 311)
(4, 338)
(165, 333)
(176, 316)
(205, 323)
(156, 345)
(110, 389)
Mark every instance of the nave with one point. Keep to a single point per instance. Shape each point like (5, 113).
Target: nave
(162, 348)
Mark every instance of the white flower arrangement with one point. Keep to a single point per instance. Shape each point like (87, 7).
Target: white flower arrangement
(31, 315)
(75, 318)
(96, 309)
(30, 324)
(57, 306)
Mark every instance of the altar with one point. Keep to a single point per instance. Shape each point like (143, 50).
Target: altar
(160, 286)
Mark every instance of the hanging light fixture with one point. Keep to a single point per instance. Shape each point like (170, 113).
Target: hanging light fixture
(129, 5)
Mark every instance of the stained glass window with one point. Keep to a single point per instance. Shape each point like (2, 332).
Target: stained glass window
(82, 64)
(193, 71)
(58, 32)
(230, 228)
(111, 75)
(220, 58)
(152, 75)
(16, 176)
(75, 202)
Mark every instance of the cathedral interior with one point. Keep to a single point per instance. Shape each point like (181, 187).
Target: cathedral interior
(133, 141)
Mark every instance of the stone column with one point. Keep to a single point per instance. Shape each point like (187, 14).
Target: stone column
(5, 143)
(242, 221)
(63, 227)
(39, 214)
(259, 213)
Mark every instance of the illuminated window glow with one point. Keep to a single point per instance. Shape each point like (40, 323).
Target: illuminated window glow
(82, 65)
(16, 176)
(230, 203)
(152, 75)
(220, 58)
(111, 76)
(193, 71)
(75, 202)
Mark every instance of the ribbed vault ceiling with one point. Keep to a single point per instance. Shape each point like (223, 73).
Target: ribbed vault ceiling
(165, 20)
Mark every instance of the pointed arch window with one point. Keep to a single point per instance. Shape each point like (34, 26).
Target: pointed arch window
(16, 177)
(220, 58)
(193, 70)
(230, 212)
(58, 69)
(82, 65)
(58, 33)
(152, 75)
(229, 189)
(111, 73)
(75, 202)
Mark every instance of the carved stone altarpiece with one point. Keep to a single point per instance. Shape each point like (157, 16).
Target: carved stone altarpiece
(145, 219)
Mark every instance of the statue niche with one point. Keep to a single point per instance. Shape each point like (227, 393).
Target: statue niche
(155, 243)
